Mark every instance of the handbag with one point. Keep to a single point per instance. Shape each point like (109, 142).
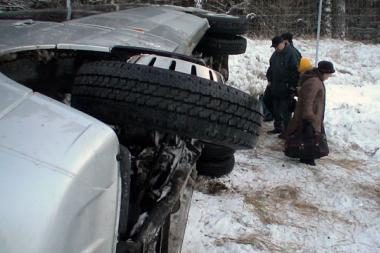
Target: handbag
(321, 146)
(292, 146)
(306, 146)
(305, 142)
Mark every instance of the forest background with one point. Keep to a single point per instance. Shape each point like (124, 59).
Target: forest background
(341, 19)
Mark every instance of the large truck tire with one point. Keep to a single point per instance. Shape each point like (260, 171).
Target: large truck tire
(211, 45)
(215, 153)
(124, 94)
(215, 160)
(225, 24)
(216, 168)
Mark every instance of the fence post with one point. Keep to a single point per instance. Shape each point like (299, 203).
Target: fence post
(68, 6)
(318, 31)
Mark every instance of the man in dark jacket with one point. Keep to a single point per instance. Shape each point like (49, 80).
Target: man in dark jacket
(288, 38)
(307, 122)
(266, 99)
(282, 76)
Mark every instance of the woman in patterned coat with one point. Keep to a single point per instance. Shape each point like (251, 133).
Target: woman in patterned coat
(307, 123)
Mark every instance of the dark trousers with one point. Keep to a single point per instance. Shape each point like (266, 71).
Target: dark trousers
(267, 100)
(281, 113)
(267, 113)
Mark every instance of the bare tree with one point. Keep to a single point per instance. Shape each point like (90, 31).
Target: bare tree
(339, 28)
(327, 18)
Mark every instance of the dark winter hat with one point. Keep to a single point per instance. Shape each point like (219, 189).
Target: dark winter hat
(287, 36)
(326, 67)
(277, 40)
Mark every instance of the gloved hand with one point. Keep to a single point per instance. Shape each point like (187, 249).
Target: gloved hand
(292, 104)
(292, 91)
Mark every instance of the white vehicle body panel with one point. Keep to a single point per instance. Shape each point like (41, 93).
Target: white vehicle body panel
(147, 27)
(58, 176)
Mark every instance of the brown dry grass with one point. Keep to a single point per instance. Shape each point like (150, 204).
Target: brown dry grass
(273, 206)
(265, 203)
(307, 209)
(369, 192)
(259, 241)
(211, 187)
(348, 164)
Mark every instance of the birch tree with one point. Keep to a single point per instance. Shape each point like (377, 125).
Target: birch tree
(327, 18)
(339, 28)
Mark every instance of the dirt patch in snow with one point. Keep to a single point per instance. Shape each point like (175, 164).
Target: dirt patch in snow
(211, 186)
(259, 241)
(273, 206)
(266, 203)
(348, 164)
(370, 192)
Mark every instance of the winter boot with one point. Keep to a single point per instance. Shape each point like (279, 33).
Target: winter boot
(308, 161)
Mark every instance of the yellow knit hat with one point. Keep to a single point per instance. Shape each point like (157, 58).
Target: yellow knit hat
(305, 65)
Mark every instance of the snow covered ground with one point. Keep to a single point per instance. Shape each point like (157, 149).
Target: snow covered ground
(271, 203)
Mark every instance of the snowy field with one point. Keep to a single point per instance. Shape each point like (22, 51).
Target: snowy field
(271, 203)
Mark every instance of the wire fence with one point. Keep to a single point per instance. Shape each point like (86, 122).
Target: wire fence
(363, 19)
(350, 19)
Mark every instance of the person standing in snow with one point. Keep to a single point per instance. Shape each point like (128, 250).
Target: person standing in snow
(266, 98)
(282, 76)
(288, 38)
(306, 129)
